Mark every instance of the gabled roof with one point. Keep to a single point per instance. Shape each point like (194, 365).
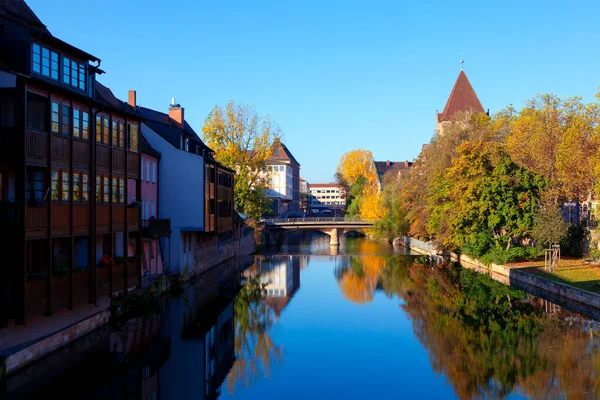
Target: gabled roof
(462, 99)
(19, 11)
(106, 96)
(382, 167)
(147, 149)
(168, 129)
(280, 152)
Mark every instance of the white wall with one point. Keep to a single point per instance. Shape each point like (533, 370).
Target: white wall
(180, 191)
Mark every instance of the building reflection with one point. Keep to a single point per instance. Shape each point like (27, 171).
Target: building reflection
(185, 352)
(280, 277)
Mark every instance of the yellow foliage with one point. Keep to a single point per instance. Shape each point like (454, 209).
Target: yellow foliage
(357, 163)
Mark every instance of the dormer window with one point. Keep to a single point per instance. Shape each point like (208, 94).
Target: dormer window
(45, 62)
(73, 73)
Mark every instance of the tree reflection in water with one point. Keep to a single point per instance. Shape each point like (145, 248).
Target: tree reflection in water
(254, 348)
(489, 340)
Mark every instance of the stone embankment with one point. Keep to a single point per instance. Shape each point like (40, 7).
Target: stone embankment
(512, 276)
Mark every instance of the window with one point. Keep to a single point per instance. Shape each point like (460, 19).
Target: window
(98, 129)
(85, 187)
(152, 211)
(147, 170)
(76, 123)
(55, 118)
(142, 171)
(153, 171)
(115, 190)
(106, 189)
(65, 187)
(121, 135)
(76, 187)
(105, 132)
(44, 61)
(98, 188)
(80, 187)
(147, 209)
(115, 133)
(121, 190)
(65, 120)
(55, 189)
(143, 209)
(73, 73)
(133, 137)
(281, 167)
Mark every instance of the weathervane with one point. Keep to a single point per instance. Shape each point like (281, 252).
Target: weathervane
(461, 61)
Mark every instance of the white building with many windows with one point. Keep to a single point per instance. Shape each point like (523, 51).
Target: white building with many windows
(329, 196)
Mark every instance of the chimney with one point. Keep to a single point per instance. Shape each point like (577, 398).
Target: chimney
(176, 112)
(387, 163)
(406, 163)
(132, 98)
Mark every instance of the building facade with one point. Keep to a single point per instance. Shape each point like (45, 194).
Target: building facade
(195, 192)
(327, 196)
(69, 163)
(284, 179)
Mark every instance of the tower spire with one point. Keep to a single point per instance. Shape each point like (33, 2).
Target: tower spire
(462, 61)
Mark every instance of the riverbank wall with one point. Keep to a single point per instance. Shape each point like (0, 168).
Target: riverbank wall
(22, 345)
(512, 276)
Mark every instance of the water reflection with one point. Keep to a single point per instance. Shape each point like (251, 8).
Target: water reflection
(249, 329)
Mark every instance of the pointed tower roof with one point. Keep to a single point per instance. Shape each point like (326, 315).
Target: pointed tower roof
(462, 98)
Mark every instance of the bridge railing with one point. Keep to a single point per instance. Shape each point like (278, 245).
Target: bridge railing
(312, 219)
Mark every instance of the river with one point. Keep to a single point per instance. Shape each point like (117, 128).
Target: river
(302, 321)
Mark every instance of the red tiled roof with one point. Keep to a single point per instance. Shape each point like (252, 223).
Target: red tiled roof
(280, 152)
(462, 98)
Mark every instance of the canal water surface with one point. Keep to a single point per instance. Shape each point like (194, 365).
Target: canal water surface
(306, 322)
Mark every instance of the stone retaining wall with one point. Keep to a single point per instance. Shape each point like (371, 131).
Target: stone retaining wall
(39, 349)
(513, 274)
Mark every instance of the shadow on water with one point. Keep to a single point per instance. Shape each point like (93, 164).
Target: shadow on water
(484, 339)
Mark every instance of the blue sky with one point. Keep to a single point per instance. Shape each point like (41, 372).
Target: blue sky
(336, 75)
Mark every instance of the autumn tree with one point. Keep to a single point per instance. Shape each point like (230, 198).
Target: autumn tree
(242, 141)
(356, 171)
(557, 138)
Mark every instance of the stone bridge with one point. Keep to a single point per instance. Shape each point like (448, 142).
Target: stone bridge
(329, 225)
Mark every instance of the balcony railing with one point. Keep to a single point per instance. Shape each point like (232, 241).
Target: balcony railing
(154, 228)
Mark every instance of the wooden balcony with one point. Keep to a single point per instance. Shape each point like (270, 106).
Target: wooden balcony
(103, 218)
(118, 161)
(36, 221)
(118, 218)
(81, 221)
(155, 228)
(61, 219)
(36, 148)
(61, 151)
(81, 154)
(103, 159)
